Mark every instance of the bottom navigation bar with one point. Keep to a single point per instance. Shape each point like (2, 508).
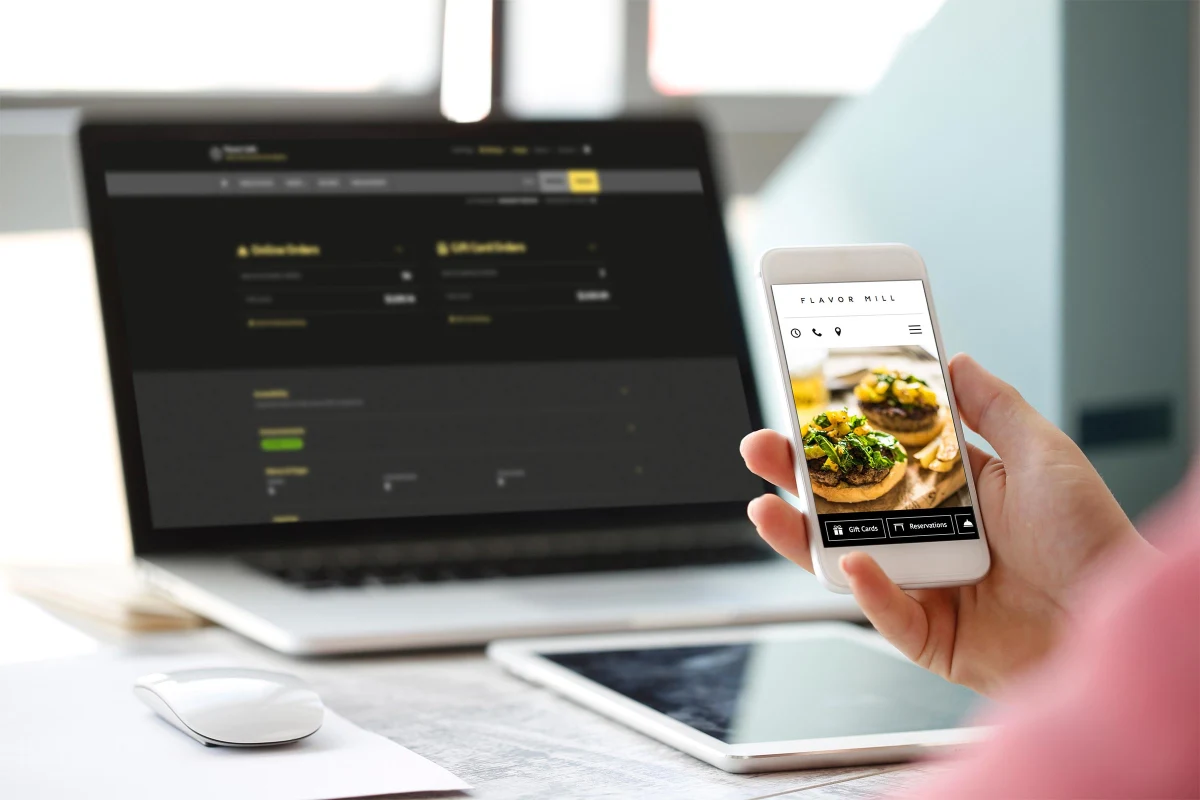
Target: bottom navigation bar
(889, 527)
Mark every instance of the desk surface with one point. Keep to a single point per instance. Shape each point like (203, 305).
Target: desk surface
(510, 739)
(507, 738)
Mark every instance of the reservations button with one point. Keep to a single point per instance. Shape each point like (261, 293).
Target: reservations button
(898, 528)
(842, 530)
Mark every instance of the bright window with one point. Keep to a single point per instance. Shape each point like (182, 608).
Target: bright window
(778, 46)
(221, 46)
(564, 58)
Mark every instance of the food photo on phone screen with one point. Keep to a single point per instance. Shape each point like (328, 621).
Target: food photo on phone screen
(873, 410)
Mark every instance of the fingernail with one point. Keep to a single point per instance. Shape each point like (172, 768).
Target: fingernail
(742, 446)
(751, 509)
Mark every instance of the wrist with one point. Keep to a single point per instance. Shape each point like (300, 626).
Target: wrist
(1116, 562)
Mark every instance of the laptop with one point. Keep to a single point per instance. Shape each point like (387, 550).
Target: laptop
(384, 386)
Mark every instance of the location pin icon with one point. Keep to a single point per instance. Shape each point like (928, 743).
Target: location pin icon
(838, 331)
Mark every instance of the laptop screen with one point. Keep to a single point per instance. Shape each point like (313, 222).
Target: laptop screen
(322, 323)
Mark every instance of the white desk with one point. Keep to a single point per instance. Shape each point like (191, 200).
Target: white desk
(507, 738)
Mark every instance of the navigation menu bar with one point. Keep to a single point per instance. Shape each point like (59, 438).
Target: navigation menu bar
(407, 182)
(901, 525)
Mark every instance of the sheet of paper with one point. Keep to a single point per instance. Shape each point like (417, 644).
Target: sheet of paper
(72, 728)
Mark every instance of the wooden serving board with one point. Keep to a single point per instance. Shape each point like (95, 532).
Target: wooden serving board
(920, 488)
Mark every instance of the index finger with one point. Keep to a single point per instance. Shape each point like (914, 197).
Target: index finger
(998, 412)
(769, 455)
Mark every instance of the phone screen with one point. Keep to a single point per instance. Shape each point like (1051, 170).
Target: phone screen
(869, 390)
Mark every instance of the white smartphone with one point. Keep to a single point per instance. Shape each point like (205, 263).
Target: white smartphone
(880, 461)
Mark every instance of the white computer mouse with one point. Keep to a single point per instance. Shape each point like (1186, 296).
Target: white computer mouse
(234, 707)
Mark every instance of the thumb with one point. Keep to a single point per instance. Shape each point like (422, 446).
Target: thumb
(897, 616)
(996, 411)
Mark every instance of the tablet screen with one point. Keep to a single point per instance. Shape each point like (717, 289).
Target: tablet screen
(778, 690)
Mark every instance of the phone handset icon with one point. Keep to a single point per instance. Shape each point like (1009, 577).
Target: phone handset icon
(816, 332)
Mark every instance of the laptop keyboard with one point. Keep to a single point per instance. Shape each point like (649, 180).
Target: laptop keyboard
(467, 560)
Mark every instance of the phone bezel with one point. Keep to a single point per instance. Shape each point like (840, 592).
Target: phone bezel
(912, 565)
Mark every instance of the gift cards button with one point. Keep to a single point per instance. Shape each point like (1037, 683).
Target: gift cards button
(842, 530)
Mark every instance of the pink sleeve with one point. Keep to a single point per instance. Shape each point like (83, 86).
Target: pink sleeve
(1116, 713)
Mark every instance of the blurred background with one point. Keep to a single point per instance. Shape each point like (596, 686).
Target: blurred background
(1041, 154)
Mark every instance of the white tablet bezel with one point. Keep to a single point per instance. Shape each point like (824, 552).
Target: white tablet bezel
(523, 657)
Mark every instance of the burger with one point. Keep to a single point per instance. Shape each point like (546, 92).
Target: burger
(848, 461)
(903, 405)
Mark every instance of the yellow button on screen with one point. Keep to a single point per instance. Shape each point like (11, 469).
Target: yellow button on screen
(583, 181)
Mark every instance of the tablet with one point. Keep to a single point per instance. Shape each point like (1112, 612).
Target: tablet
(757, 699)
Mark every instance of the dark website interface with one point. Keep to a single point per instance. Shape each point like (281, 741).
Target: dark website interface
(884, 462)
(327, 330)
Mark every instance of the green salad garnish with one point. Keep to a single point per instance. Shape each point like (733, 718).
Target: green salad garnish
(848, 443)
(895, 389)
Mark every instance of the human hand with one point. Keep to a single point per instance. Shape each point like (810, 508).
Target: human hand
(1050, 522)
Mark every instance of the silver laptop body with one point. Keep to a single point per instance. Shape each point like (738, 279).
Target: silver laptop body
(412, 385)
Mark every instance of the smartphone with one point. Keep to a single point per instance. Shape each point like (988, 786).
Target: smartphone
(879, 450)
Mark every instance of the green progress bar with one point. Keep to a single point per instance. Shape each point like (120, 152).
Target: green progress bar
(279, 444)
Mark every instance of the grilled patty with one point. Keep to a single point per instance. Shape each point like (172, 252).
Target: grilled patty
(896, 418)
(862, 476)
